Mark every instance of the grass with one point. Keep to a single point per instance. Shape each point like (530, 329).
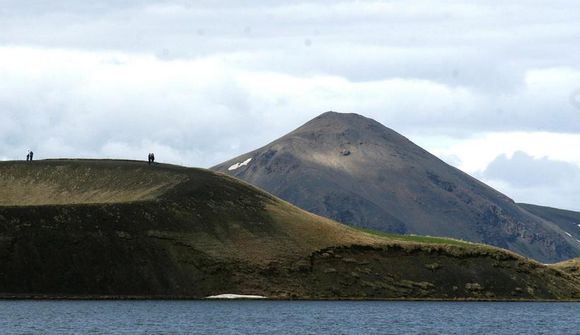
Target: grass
(66, 182)
(417, 238)
(209, 234)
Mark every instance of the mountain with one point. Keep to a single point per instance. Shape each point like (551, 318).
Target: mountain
(568, 221)
(123, 229)
(356, 171)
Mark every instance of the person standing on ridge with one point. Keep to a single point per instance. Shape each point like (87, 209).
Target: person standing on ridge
(28, 156)
(31, 154)
(153, 158)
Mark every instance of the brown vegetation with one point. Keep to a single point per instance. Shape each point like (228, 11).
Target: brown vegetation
(191, 233)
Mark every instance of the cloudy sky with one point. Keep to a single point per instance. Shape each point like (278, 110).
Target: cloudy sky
(491, 87)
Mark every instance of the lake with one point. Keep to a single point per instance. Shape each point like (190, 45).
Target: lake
(287, 317)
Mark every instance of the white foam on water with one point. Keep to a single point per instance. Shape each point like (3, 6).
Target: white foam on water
(235, 296)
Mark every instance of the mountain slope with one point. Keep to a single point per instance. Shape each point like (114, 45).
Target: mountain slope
(356, 171)
(568, 221)
(106, 229)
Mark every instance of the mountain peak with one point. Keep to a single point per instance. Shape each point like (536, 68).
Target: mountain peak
(332, 115)
(336, 118)
(356, 171)
(345, 124)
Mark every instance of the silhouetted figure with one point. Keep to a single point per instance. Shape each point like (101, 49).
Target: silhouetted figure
(152, 158)
(28, 156)
(31, 155)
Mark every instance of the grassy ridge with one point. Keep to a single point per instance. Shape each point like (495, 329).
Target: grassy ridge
(571, 266)
(418, 238)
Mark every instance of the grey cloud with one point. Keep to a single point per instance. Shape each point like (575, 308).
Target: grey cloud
(522, 170)
(535, 180)
(484, 47)
(454, 30)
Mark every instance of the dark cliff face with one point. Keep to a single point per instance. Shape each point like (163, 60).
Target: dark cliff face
(354, 170)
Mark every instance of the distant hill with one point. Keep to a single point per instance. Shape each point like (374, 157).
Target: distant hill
(568, 221)
(122, 229)
(356, 171)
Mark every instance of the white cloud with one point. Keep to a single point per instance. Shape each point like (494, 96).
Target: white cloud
(475, 153)
(86, 99)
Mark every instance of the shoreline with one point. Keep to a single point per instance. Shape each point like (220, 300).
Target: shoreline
(190, 298)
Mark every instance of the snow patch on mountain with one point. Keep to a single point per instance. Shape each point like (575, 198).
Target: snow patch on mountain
(239, 165)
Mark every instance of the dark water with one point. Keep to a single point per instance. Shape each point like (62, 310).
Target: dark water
(278, 317)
